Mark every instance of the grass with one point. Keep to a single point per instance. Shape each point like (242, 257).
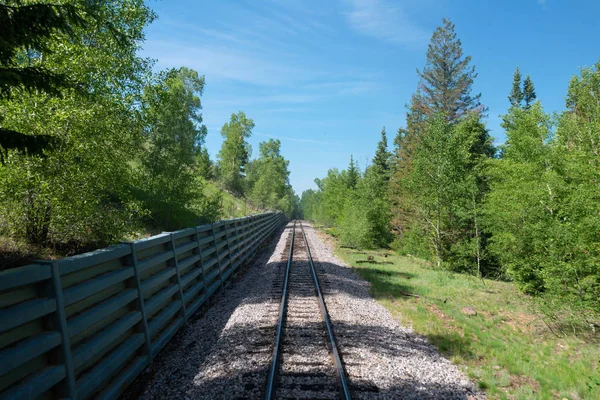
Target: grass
(233, 207)
(506, 349)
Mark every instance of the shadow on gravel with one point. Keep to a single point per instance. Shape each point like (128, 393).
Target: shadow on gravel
(249, 355)
(185, 341)
(233, 363)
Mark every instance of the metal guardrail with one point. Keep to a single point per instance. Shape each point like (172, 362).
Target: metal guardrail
(88, 325)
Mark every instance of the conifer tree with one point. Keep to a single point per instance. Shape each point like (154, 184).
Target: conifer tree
(382, 156)
(447, 79)
(353, 174)
(516, 94)
(528, 92)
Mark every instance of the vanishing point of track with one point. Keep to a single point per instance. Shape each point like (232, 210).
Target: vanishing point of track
(306, 362)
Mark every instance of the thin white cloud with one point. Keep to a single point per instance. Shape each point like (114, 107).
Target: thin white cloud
(221, 62)
(384, 20)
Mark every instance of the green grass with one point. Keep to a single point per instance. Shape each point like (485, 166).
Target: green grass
(506, 348)
(233, 207)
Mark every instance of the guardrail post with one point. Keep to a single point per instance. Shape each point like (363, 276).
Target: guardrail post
(237, 235)
(229, 249)
(140, 302)
(178, 276)
(217, 253)
(202, 265)
(61, 321)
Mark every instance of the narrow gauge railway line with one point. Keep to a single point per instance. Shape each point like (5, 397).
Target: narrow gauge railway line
(306, 362)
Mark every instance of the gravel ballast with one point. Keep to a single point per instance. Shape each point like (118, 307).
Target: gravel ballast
(383, 359)
(226, 352)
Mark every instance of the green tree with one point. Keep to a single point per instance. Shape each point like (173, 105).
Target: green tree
(447, 79)
(81, 191)
(175, 134)
(528, 92)
(353, 173)
(522, 201)
(542, 207)
(26, 29)
(235, 151)
(447, 185)
(445, 88)
(516, 95)
(205, 165)
(381, 161)
(270, 179)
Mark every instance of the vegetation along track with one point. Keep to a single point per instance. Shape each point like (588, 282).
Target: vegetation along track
(306, 362)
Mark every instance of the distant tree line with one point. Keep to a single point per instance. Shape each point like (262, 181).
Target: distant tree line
(95, 146)
(528, 210)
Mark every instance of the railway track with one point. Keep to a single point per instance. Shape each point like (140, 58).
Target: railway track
(306, 362)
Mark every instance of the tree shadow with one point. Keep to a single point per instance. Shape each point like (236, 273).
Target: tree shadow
(232, 360)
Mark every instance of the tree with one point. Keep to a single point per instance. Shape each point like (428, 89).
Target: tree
(381, 161)
(445, 88)
(270, 179)
(26, 28)
(235, 151)
(447, 79)
(528, 92)
(516, 95)
(204, 164)
(353, 173)
(174, 138)
(82, 190)
(521, 205)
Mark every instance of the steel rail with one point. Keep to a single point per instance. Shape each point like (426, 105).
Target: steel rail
(345, 391)
(282, 313)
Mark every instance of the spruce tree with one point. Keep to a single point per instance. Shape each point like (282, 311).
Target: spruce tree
(528, 92)
(352, 173)
(516, 94)
(382, 157)
(447, 79)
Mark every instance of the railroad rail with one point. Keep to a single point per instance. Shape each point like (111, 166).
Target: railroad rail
(306, 360)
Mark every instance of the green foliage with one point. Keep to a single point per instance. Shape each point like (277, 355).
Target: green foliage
(356, 206)
(81, 190)
(447, 79)
(506, 346)
(204, 164)
(516, 94)
(172, 145)
(528, 92)
(353, 173)
(269, 179)
(382, 155)
(542, 210)
(26, 28)
(235, 151)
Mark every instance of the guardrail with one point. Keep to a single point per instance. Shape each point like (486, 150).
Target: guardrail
(88, 325)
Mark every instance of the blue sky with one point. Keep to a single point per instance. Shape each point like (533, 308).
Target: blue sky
(325, 76)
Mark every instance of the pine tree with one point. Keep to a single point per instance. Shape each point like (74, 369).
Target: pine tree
(382, 156)
(27, 27)
(516, 94)
(447, 79)
(353, 174)
(528, 92)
